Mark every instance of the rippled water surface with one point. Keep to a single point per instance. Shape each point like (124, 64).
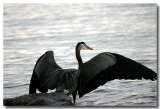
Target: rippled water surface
(127, 29)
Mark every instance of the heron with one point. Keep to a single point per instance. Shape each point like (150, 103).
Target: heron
(102, 68)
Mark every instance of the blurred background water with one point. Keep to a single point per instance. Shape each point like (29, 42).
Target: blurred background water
(127, 29)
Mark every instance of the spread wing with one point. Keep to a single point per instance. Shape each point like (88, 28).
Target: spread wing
(109, 66)
(61, 79)
(45, 65)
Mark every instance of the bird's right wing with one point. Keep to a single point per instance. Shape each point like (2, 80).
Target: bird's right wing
(109, 66)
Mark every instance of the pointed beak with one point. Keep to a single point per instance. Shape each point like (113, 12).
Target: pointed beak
(89, 47)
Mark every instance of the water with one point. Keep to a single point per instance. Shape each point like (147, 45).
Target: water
(127, 29)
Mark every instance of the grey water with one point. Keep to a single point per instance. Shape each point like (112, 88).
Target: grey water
(127, 29)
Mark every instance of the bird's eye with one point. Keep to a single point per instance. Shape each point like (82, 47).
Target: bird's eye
(83, 47)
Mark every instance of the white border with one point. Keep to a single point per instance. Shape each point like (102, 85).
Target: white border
(55, 1)
(80, 1)
(1, 55)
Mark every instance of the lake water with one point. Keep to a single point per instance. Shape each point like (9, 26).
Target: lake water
(126, 29)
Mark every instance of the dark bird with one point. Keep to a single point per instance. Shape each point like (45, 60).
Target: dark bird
(105, 67)
(100, 69)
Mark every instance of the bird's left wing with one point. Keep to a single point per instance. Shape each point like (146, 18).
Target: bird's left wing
(109, 66)
(45, 65)
(61, 79)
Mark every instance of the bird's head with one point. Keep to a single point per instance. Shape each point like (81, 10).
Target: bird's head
(83, 46)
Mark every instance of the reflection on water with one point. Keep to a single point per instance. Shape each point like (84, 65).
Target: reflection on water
(127, 29)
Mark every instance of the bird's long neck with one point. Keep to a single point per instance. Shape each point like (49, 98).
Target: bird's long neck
(78, 56)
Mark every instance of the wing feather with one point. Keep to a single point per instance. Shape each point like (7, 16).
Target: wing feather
(109, 66)
(45, 65)
(61, 79)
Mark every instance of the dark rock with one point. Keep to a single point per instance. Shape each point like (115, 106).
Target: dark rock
(40, 99)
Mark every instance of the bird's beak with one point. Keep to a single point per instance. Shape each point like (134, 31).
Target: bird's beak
(89, 47)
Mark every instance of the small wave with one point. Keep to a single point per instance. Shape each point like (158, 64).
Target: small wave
(16, 86)
(99, 90)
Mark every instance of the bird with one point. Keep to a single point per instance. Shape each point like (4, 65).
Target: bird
(105, 67)
(102, 68)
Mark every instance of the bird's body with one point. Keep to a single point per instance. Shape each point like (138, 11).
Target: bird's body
(62, 80)
(90, 75)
